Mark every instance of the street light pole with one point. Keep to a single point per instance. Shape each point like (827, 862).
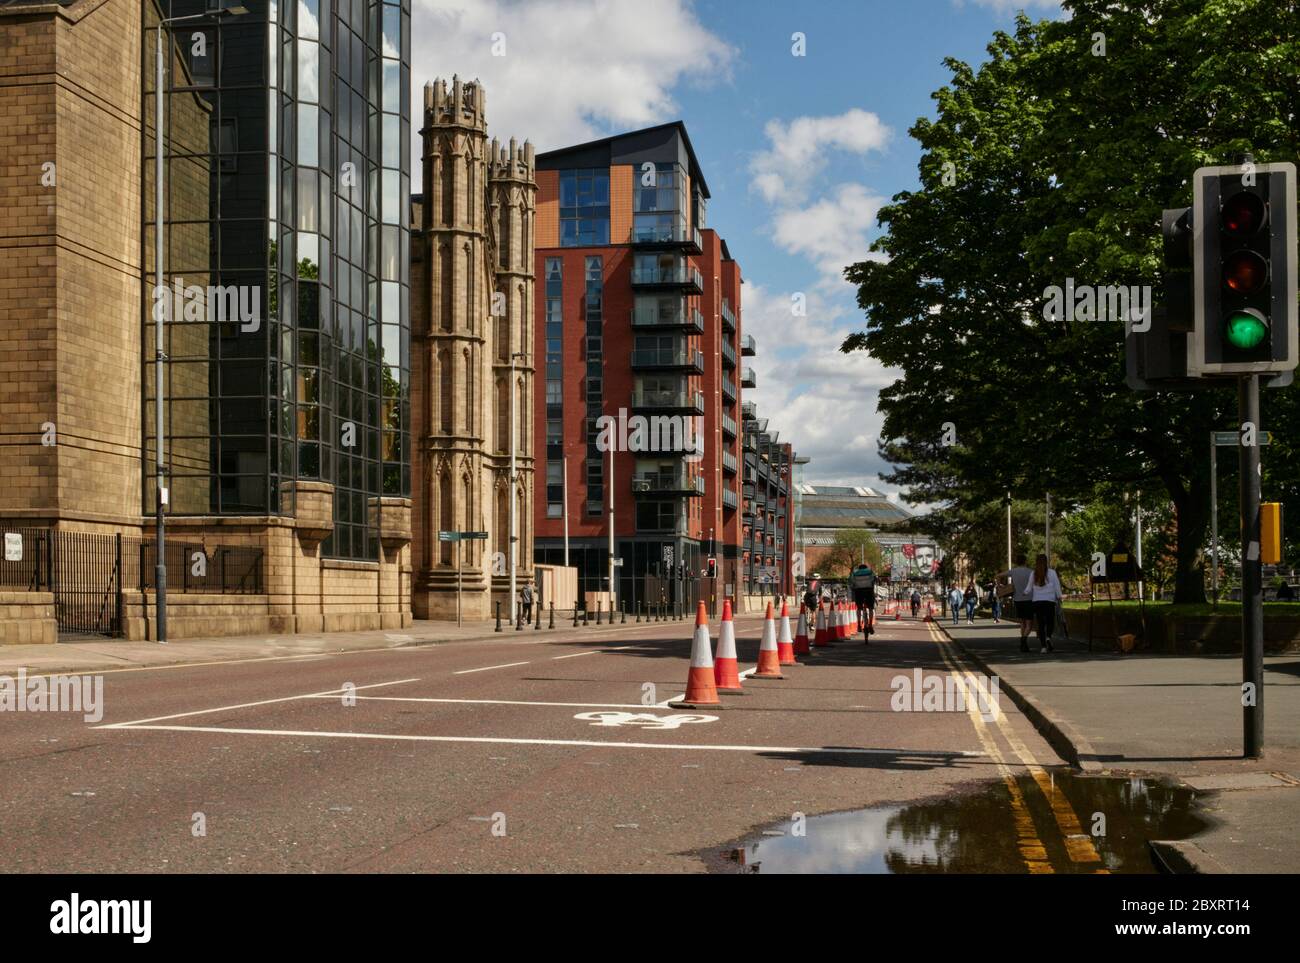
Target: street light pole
(514, 521)
(161, 311)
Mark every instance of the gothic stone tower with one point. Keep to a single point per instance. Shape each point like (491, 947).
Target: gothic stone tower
(471, 305)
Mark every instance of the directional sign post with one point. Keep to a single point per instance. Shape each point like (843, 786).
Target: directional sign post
(459, 537)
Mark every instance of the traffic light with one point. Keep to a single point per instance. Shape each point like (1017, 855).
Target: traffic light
(1244, 297)
(1157, 357)
(712, 570)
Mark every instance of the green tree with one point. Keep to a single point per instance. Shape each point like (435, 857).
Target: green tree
(1049, 163)
(850, 546)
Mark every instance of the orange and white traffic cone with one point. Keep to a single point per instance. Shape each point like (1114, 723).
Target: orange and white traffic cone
(769, 662)
(726, 671)
(801, 646)
(785, 644)
(844, 622)
(701, 690)
(823, 634)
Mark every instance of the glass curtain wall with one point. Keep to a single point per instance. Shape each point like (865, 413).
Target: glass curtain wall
(287, 241)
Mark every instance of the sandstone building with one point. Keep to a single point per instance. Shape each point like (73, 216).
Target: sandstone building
(472, 361)
(287, 382)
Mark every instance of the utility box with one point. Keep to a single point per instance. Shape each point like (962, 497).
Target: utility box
(1270, 533)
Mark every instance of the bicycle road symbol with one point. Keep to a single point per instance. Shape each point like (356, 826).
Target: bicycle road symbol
(645, 720)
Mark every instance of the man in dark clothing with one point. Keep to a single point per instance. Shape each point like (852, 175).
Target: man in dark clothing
(863, 585)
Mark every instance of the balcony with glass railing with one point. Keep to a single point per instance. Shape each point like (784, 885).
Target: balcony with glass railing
(728, 355)
(748, 346)
(679, 275)
(729, 425)
(729, 463)
(729, 499)
(667, 236)
(678, 482)
(659, 318)
(665, 400)
(677, 358)
(748, 379)
(728, 316)
(728, 388)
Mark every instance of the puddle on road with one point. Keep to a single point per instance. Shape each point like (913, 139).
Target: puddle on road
(975, 832)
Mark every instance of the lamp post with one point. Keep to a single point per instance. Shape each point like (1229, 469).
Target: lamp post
(161, 311)
(514, 480)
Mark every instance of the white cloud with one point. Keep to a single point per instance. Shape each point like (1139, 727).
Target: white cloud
(831, 232)
(822, 401)
(1013, 6)
(573, 70)
(797, 151)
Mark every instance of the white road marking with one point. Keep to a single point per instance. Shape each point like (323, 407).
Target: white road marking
(497, 702)
(584, 743)
(574, 655)
(487, 668)
(249, 705)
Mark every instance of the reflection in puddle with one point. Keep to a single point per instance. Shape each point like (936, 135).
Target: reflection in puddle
(976, 833)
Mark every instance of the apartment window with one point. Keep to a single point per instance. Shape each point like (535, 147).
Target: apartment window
(584, 208)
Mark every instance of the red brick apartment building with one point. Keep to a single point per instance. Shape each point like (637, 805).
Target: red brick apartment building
(638, 321)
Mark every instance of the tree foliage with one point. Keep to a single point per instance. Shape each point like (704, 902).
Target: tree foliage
(1049, 163)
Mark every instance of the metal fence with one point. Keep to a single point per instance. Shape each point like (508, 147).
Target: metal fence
(88, 571)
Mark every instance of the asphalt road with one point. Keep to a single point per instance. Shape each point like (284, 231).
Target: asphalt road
(492, 756)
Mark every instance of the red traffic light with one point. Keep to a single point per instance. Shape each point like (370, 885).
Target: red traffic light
(1244, 272)
(1243, 214)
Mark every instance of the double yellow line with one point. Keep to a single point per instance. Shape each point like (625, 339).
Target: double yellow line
(1078, 844)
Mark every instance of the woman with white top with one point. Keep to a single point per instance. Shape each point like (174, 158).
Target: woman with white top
(1044, 592)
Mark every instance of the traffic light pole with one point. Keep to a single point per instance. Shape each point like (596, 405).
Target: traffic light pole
(1252, 576)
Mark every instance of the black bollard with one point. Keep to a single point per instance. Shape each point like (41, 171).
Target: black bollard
(538, 626)
(575, 615)
(498, 628)
(586, 616)
(551, 624)
(638, 611)
(623, 620)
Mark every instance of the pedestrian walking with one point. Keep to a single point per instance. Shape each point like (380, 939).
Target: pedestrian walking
(995, 604)
(1021, 601)
(1045, 591)
(526, 602)
(971, 597)
(954, 602)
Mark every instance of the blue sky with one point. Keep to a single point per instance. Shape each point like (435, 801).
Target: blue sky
(799, 151)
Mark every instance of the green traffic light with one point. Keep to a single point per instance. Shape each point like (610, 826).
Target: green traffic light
(1245, 329)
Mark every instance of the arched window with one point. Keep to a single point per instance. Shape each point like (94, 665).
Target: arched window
(503, 236)
(523, 236)
(470, 207)
(467, 503)
(445, 391)
(470, 278)
(448, 186)
(448, 282)
(503, 327)
(446, 518)
(522, 414)
(501, 524)
(469, 393)
(503, 416)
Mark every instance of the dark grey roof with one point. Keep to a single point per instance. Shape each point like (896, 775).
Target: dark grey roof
(597, 153)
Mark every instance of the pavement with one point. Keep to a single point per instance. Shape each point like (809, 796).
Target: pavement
(520, 751)
(101, 655)
(1175, 716)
